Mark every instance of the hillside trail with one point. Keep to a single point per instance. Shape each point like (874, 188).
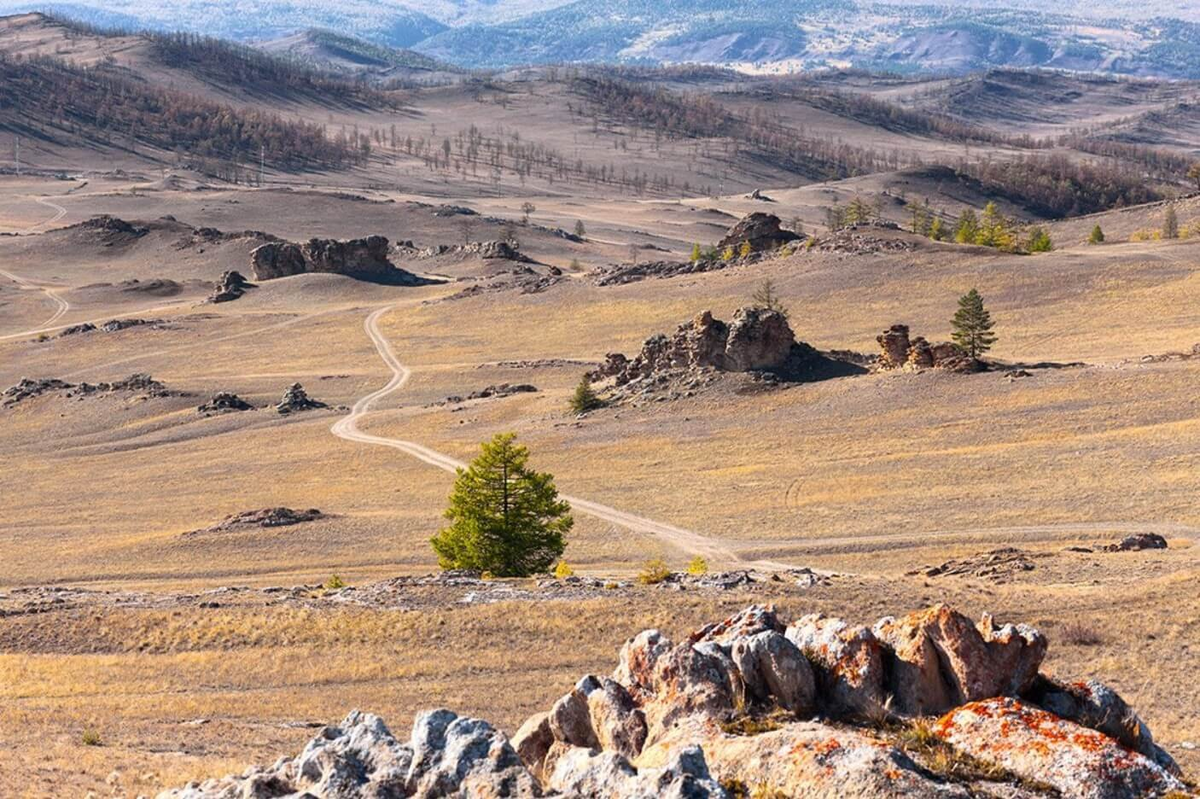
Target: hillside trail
(61, 306)
(692, 543)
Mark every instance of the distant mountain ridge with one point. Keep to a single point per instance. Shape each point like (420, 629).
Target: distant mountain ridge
(773, 36)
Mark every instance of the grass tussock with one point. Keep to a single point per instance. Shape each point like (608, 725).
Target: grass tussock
(740, 790)
(747, 724)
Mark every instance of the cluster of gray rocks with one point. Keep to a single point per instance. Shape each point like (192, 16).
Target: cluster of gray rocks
(756, 705)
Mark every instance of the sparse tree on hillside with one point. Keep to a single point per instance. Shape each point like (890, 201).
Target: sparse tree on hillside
(858, 212)
(766, 298)
(527, 209)
(1039, 240)
(1097, 236)
(967, 227)
(972, 325)
(697, 254)
(504, 517)
(994, 230)
(937, 231)
(580, 230)
(467, 225)
(585, 398)
(746, 250)
(1170, 228)
(1194, 174)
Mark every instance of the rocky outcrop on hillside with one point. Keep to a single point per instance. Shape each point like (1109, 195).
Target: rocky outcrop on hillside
(1137, 543)
(493, 392)
(296, 400)
(621, 274)
(366, 259)
(757, 342)
(139, 385)
(818, 707)
(266, 518)
(763, 231)
(111, 326)
(486, 250)
(230, 287)
(110, 230)
(224, 402)
(900, 351)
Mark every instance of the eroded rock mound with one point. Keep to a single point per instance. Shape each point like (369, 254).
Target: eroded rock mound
(727, 711)
(998, 565)
(224, 402)
(757, 342)
(111, 326)
(110, 230)
(142, 385)
(366, 259)
(267, 517)
(899, 351)
(763, 231)
(492, 392)
(296, 400)
(230, 287)
(1136, 543)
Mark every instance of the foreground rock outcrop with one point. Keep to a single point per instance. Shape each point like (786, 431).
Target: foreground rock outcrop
(233, 285)
(754, 705)
(361, 258)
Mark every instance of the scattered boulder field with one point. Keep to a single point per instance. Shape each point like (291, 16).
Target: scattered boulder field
(928, 705)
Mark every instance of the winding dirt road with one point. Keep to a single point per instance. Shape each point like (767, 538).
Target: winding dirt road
(61, 305)
(347, 428)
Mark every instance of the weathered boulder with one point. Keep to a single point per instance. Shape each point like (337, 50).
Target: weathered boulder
(1138, 542)
(532, 743)
(582, 773)
(763, 231)
(938, 659)
(895, 344)
(223, 402)
(363, 258)
(230, 287)
(454, 756)
(848, 661)
(296, 399)
(772, 667)
(758, 339)
(1093, 704)
(1079, 762)
(899, 350)
(807, 759)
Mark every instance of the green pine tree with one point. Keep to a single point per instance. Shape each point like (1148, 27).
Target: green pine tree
(1039, 240)
(1097, 236)
(585, 397)
(504, 517)
(967, 228)
(767, 299)
(972, 325)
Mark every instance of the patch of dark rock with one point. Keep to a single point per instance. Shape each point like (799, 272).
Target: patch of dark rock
(486, 250)
(493, 392)
(998, 565)
(296, 400)
(1137, 543)
(854, 241)
(541, 363)
(266, 517)
(29, 387)
(454, 210)
(522, 280)
(140, 384)
(363, 259)
(1173, 356)
(111, 326)
(224, 402)
(622, 274)
(758, 195)
(155, 287)
(111, 231)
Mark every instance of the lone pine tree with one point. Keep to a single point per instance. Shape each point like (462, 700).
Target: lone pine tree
(504, 517)
(972, 325)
